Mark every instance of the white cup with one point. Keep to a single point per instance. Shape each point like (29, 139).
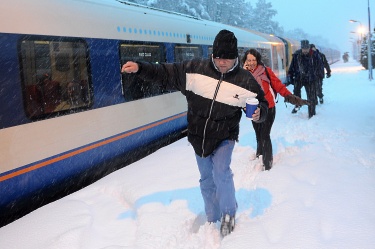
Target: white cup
(251, 106)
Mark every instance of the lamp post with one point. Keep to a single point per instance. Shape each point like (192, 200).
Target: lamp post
(361, 31)
(360, 40)
(369, 44)
(357, 54)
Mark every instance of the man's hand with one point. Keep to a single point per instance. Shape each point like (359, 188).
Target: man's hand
(328, 75)
(256, 115)
(130, 67)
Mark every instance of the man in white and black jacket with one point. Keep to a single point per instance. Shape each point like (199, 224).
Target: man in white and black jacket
(216, 90)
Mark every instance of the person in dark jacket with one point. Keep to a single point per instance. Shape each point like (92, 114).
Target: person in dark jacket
(305, 70)
(216, 90)
(319, 90)
(271, 85)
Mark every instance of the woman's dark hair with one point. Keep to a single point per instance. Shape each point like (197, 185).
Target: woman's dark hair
(255, 53)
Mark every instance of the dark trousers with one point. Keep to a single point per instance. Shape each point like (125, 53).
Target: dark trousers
(311, 92)
(262, 132)
(319, 89)
(297, 88)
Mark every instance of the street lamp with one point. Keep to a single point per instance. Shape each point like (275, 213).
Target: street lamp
(360, 40)
(361, 30)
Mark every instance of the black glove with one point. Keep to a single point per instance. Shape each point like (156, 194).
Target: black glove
(294, 100)
(328, 75)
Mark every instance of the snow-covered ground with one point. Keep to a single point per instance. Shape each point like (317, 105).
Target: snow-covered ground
(319, 194)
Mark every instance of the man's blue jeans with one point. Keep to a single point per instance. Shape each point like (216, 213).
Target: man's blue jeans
(216, 182)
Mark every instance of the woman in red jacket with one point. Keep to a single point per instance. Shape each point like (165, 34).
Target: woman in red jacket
(271, 85)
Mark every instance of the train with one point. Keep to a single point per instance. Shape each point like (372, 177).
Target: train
(67, 115)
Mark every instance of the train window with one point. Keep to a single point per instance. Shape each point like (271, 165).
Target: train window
(210, 49)
(275, 61)
(133, 87)
(54, 75)
(241, 53)
(186, 52)
(266, 56)
(142, 52)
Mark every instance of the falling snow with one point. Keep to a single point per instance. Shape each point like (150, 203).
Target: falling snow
(319, 194)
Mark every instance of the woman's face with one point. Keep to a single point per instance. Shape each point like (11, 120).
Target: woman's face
(251, 62)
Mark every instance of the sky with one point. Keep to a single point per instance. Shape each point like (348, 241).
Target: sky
(327, 18)
(319, 193)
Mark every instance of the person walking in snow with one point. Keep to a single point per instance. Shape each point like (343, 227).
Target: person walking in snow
(271, 85)
(305, 70)
(319, 90)
(216, 90)
(345, 57)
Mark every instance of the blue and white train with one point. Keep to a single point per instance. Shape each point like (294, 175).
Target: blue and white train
(67, 114)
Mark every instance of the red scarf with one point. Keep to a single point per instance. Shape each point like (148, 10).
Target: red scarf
(260, 75)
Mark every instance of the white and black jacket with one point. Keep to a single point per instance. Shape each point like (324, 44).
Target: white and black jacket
(215, 100)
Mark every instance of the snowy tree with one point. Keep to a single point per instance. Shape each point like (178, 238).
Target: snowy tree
(260, 19)
(231, 12)
(296, 34)
(196, 8)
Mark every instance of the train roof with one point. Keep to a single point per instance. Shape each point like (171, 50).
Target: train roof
(112, 19)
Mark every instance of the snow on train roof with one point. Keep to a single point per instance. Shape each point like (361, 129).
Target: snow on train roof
(112, 20)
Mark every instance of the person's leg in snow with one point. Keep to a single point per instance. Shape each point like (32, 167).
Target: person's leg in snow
(208, 188)
(216, 183)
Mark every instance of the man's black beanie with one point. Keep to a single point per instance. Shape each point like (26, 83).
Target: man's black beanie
(225, 45)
